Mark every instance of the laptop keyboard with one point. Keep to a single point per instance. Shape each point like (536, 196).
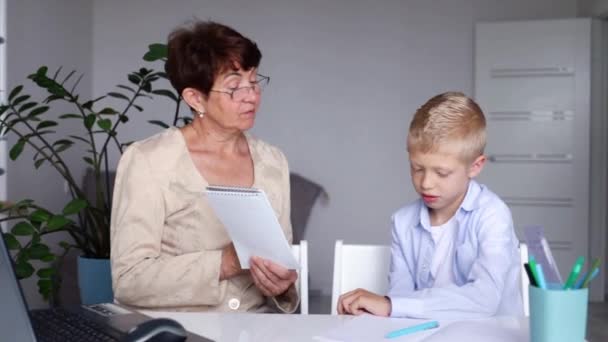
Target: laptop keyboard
(64, 326)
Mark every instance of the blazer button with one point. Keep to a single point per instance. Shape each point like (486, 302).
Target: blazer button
(234, 303)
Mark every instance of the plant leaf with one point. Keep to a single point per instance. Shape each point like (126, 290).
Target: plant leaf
(138, 107)
(108, 111)
(20, 99)
(133, 78)
(17, 149)
(70, 116)
(52, 98)
(118, 96)
(147, 87)
(38, 163)
(144, 71)
(36, 236)
(38, 250)
(15, 92)
(105, 124)
(126, 88)
(57, 222)
(46, 272)
(38, 111)
(89, 104)
(48, 258)
(46, 124)
(75, 206)
(63, 147)
(11, 241)
(166, 93)
(158, 123)
(89, 161)
(79, 138)
(156, 52)
(45, 288)
(23, 229)
(63, 141)
(123, 118)
(26, 106)
(89, 121)
(40, 215)
(24, 269)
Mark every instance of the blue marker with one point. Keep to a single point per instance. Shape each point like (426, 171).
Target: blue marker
(579, 283)
(541, 277)
(593, 275)
(412, 329)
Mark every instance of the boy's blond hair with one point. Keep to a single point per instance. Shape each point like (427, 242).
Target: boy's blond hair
(449, 118)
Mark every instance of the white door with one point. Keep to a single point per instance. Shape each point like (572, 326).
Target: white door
(532, 78)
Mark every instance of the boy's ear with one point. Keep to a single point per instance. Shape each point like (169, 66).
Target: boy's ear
(477, 166)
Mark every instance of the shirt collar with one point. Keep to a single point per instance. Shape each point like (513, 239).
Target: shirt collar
(470, 203)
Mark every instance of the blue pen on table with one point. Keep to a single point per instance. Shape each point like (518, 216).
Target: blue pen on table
(412, 329)
(540, 277)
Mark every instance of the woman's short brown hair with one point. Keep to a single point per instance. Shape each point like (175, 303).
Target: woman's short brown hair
(202, 50)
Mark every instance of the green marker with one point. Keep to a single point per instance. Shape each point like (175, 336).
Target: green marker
(576, 270)
(594, 266)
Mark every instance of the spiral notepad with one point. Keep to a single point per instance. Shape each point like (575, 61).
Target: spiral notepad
(252, 224)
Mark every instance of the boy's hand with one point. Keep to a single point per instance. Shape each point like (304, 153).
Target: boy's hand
(270, 278)
(361, 301)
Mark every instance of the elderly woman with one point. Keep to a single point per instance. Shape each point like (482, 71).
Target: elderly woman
(169, 250)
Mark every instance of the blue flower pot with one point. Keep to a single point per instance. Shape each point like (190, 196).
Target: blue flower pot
(95, 280)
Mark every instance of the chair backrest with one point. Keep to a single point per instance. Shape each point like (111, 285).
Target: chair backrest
(359, 266)
(301, 253)
(523, 255)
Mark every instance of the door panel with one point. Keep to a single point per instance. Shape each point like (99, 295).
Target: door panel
(532, 80)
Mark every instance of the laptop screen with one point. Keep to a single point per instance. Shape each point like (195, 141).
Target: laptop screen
(15, 322)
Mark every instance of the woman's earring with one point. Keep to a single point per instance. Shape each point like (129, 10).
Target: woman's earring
(200, 113)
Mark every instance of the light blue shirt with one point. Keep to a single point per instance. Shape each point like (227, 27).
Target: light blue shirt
(486, 262)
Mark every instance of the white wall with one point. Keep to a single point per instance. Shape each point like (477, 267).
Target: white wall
(53, 33)
(346, 78)
(593, 8)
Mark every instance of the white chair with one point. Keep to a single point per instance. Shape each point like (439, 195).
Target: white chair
(359, 266)
(301, 253)
(523, 255)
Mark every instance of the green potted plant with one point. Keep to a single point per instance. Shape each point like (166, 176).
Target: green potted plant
(86, 220)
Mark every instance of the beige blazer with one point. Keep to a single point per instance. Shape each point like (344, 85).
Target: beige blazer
(166, 240)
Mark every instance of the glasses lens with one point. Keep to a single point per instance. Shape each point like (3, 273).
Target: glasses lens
(241, 93)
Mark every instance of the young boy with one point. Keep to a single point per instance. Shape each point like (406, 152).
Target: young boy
(454, 253)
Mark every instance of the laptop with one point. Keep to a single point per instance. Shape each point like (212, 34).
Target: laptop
(100, 322)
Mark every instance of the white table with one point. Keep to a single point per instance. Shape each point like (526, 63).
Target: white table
(247, 327)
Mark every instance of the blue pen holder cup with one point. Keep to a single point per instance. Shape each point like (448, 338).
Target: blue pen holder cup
(558, 315)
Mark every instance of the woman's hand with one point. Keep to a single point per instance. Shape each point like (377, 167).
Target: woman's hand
(361, 301)
(231, 266)
(271, 279)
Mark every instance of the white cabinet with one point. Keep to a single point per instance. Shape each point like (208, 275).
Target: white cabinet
(535, 80)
